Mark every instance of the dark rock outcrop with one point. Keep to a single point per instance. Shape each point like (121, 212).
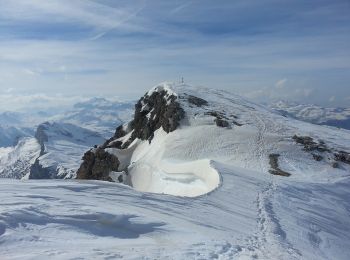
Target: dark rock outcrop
(342, 156)
(216, 114)
(155, 111)
(152, 111)
(41, 136)
(112, 142)
(221, 122)
(310, 145)
(275, 169)
(196, 101)
(37, 171)
(160, 109)
(317, 157)
(97, 164)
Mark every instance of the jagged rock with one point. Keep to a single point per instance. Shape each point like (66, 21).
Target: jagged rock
(37, 171)
(111, 143)
(41, 136)
(317, 157)
(236, 123)
(155, 111)
(273, 161)
(216, 114)
(342, 156)
(221, 119)
(97, 164)
(335, 165)
(221, 122)
(197, 101)
(310, 145)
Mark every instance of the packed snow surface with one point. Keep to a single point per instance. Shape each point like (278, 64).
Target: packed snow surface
(226, 205)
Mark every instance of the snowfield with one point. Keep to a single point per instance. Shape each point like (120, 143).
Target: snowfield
(203, 191)
(249, 216)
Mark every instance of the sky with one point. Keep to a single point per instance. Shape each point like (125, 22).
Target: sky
(297, 50)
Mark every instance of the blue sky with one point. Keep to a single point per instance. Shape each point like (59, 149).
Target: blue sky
(265, 50)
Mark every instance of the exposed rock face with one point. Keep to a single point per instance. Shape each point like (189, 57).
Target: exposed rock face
(342, 156)
(317, 157)
(111, 143)
(275, 169)
(310, 145)
(197, 101)
(41, 136)
(97, 164)
(160, 109)
(320, 147)
(221, 122)
(153, 111)
(37, 171)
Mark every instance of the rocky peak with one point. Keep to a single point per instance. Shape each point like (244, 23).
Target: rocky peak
(41, 136)
(158, 108)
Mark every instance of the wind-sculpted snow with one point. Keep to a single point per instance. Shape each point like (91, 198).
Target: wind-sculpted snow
(250, 216)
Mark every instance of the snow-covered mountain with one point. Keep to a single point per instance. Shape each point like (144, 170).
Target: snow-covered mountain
(32, 149)
(338, 117)
(98, 114)
(16, 161)
(199, 174)
(61, 146)
(10, 135)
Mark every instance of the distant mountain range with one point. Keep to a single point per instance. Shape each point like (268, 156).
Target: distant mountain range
(337, 117)
(46, 145)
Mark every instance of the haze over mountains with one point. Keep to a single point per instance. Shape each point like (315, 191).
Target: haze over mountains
(337, 117)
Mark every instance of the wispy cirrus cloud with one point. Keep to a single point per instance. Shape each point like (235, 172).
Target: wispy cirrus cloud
(286, 48)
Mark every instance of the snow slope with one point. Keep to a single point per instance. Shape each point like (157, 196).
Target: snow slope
(227, 204)
(62, 150)
(15, 162)
(250, 216)
(10, 135)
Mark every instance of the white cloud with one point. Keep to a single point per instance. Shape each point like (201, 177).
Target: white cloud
(181, 7)
(332, 99)
(13, 102)
(9, 90)
(281, 83)
(82, 11)
(30, 72)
